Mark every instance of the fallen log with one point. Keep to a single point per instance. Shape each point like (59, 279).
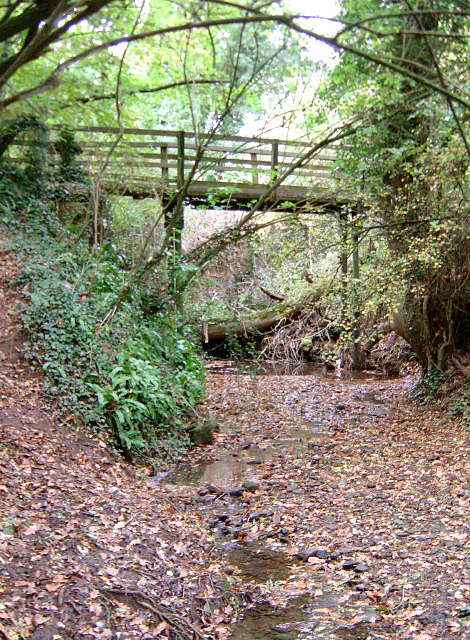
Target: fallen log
(256, 322)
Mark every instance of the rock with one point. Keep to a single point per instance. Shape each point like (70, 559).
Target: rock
(360, 568)
(202, 431)
(202, 499)
(201, 434)
(305, 554)
(349, 565)
(250, 486)
(430, 617)
(256, 515)
(376, 412)
(236, 492)
(211, 488)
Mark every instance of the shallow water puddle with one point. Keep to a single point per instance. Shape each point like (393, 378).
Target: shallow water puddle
(301, 619)
(228, 470)
(259, 563)
(311, 430)
(262, 368)
(235, 468)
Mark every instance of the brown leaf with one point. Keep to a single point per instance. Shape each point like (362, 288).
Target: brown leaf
(159, 629)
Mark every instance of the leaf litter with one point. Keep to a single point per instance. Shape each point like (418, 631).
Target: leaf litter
(89, 549)
(366, 495)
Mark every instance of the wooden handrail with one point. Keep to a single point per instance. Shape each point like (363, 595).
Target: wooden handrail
(161, 156)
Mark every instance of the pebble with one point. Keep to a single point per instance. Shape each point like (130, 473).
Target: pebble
(250, 486)
(256, 515)
(360, 568)
(305, 554)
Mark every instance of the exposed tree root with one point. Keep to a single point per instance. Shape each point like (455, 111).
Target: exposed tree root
(180, 627)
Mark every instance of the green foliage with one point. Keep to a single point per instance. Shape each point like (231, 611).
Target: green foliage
(68, 150)
(428, 385)
(241, 348)
(410, 167)
(134, 380)
(459, 407)
(144, 402)
(27, 180)
(22, 186)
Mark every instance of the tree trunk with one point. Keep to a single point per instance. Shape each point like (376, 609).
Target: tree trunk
(256, 322)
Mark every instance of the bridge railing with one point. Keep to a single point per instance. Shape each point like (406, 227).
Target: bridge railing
(164, 158)
(150, 161)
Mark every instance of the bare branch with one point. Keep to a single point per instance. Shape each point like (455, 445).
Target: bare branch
(163, 87)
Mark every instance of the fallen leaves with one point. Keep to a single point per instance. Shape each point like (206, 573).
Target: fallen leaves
(75, 521)
(389, 486)
(86, 546)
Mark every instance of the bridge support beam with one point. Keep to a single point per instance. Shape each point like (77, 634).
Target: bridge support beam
(174, 224)
(356, 296)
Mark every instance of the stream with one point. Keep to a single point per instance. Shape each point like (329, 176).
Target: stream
(296, 427)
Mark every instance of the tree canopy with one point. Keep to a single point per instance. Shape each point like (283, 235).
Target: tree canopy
(396, 100)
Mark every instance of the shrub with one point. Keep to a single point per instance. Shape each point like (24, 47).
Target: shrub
(135, 379)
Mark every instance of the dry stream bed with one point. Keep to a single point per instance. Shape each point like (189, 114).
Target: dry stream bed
(342, 507)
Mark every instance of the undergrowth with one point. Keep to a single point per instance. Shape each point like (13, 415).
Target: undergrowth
(459, 407)
(135, 379)
(129, 375)
(450, 395)
(428, 385)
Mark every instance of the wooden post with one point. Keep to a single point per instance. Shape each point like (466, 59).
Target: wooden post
(165, 168)
(254, 164)
(356, 285)
(274, 159)
(180, 161)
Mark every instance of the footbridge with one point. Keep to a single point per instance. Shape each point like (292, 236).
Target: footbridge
(225, 170)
